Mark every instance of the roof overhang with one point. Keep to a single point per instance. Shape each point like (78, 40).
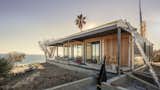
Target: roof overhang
(95, 32)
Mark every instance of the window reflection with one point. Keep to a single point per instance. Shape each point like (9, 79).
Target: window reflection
(93, 52)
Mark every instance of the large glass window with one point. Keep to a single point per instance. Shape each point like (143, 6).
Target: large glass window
(65, 51)
(77, 51)
(70, 52)
(93, 52)
(60, 51)
(89, 52)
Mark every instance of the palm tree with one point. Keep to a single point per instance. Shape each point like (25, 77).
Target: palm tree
(80, 21)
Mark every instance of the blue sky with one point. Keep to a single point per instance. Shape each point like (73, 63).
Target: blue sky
(24, 22)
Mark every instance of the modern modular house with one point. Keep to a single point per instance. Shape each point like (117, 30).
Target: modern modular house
(115, 40)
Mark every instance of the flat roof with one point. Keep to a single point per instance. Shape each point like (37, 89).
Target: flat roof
(100, 29)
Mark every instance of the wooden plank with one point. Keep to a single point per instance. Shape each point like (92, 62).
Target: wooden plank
(124, 52)
(115, 51)
(93, 39)
(109, 47)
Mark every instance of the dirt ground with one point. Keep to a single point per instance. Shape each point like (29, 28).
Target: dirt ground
(155, 68)
(40, 79)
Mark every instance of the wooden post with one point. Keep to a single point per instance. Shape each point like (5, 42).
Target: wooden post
(119, 50)
(103, 55)
(129, 52)
(132, 52)
(68, 49)
(149, 52)
(54, 52)
(57, 50)
(77, 50)
(101, 61)
(63, 51)
(72, 51)
(84, 61)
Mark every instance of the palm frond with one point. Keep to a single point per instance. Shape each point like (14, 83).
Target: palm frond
(80, 21)
(84, 22)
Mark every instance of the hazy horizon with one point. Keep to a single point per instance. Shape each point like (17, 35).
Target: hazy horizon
(24, 53)
(25, 22)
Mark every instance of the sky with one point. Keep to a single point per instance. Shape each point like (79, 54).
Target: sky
(25, 22)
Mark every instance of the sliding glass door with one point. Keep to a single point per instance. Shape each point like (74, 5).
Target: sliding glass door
(93, 52)
(77, 51)
(96, 52)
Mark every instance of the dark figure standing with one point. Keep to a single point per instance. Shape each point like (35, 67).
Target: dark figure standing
(102, 75)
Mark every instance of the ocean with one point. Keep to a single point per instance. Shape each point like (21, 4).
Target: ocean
(30, 59)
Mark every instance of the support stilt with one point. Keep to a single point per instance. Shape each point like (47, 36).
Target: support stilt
(119, 50)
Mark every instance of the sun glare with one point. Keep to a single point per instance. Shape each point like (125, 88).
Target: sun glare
(90, 25)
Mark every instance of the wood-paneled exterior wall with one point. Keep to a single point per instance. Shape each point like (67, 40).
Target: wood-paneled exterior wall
(108, 48)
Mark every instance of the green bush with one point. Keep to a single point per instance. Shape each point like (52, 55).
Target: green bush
(5, 67)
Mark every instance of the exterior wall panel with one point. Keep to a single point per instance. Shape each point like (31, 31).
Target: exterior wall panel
(109, 48)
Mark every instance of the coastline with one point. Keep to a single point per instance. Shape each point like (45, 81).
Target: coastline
(29, 59)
